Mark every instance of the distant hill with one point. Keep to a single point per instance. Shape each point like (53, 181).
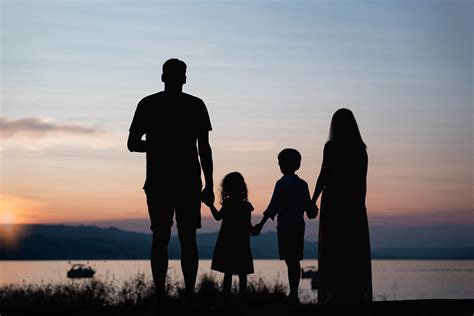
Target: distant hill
(63, 242)
(57, 242)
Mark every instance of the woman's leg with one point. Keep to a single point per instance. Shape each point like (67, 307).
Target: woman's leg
(227, 285)
(242, 284)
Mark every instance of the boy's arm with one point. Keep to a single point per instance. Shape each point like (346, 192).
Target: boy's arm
(271, 211)
(257, 229)
(273, 206)
(311, 208)
(262, 221)
(215, 212)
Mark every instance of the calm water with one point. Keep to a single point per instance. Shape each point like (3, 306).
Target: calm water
(392, 279)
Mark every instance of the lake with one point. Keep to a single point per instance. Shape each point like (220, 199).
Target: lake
(392, 279)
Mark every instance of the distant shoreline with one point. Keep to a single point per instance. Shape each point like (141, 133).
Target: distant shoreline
(62, 242)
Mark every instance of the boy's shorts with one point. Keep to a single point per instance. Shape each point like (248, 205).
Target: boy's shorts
(162, 206)
(291, 244)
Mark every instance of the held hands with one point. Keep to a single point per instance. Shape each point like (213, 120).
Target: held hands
(313, 212)
(256, 230)
(207, 196)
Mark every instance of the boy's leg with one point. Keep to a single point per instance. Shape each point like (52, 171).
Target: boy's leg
(294, 273)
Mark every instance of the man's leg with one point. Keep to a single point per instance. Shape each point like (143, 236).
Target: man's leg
(189, 258)
(161, 217)
(159, 258)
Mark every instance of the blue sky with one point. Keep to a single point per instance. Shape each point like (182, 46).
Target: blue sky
(272, 73)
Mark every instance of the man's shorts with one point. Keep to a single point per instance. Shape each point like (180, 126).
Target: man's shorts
(162, 206)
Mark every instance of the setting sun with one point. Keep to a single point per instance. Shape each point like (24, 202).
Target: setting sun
(18, 210)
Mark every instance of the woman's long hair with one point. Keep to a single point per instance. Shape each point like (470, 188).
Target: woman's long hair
(344, 129)
(233, 187)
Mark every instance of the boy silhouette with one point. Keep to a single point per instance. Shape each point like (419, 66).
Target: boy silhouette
(290, 200)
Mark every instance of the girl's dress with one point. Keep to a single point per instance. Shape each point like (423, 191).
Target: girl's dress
(232, 253)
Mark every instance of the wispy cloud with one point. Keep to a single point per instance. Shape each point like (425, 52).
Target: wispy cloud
(35, 134)
(36, 127)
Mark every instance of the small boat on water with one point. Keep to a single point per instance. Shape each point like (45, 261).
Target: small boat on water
(79, 270)
(308, 272)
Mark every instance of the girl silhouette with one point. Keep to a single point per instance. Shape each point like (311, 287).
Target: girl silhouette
(344, 261)
(232, 254)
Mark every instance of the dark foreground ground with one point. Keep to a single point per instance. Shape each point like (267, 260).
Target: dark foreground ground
(415, 307)
(136, 298)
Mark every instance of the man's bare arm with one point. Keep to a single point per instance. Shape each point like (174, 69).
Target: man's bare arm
(135, 142)
(205, 155)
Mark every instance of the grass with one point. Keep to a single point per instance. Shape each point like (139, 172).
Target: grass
(136, 297)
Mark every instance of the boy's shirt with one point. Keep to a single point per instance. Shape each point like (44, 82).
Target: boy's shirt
(290, 200)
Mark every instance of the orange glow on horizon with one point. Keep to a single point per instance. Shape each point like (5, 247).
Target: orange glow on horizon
(16, 209)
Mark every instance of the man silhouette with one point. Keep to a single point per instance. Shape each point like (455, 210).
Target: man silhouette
(173, 122)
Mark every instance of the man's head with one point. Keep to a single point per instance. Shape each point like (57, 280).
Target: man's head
(289, 160)
(174, 73)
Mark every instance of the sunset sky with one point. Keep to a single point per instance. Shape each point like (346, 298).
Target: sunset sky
(271, 73)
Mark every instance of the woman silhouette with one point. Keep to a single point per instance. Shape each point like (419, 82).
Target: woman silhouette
(344, 262)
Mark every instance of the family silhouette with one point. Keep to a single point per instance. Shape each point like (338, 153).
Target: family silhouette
(176, 126)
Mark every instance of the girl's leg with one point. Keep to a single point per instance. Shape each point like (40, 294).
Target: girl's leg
(227, 285)
(242, 284)
(294, 270)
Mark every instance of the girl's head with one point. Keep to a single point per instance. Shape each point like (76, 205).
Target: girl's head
(233, 186)
(344, 128)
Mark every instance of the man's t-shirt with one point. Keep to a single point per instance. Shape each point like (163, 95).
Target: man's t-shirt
(172, 124)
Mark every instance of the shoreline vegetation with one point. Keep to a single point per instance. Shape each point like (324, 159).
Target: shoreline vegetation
(136, 297)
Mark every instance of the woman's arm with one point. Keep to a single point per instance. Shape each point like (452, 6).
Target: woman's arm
(324, 173)
(215, 212)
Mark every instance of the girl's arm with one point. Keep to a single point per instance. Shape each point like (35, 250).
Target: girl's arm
(215, 212)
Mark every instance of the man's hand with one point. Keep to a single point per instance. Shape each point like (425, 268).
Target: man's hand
(207, 195)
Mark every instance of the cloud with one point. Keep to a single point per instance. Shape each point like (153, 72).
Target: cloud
(36, 127)
(36, 134)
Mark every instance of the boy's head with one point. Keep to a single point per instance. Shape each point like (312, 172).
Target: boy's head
(289, 160)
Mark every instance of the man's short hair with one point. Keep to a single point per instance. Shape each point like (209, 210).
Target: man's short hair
(289, 159)
(174, 66)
